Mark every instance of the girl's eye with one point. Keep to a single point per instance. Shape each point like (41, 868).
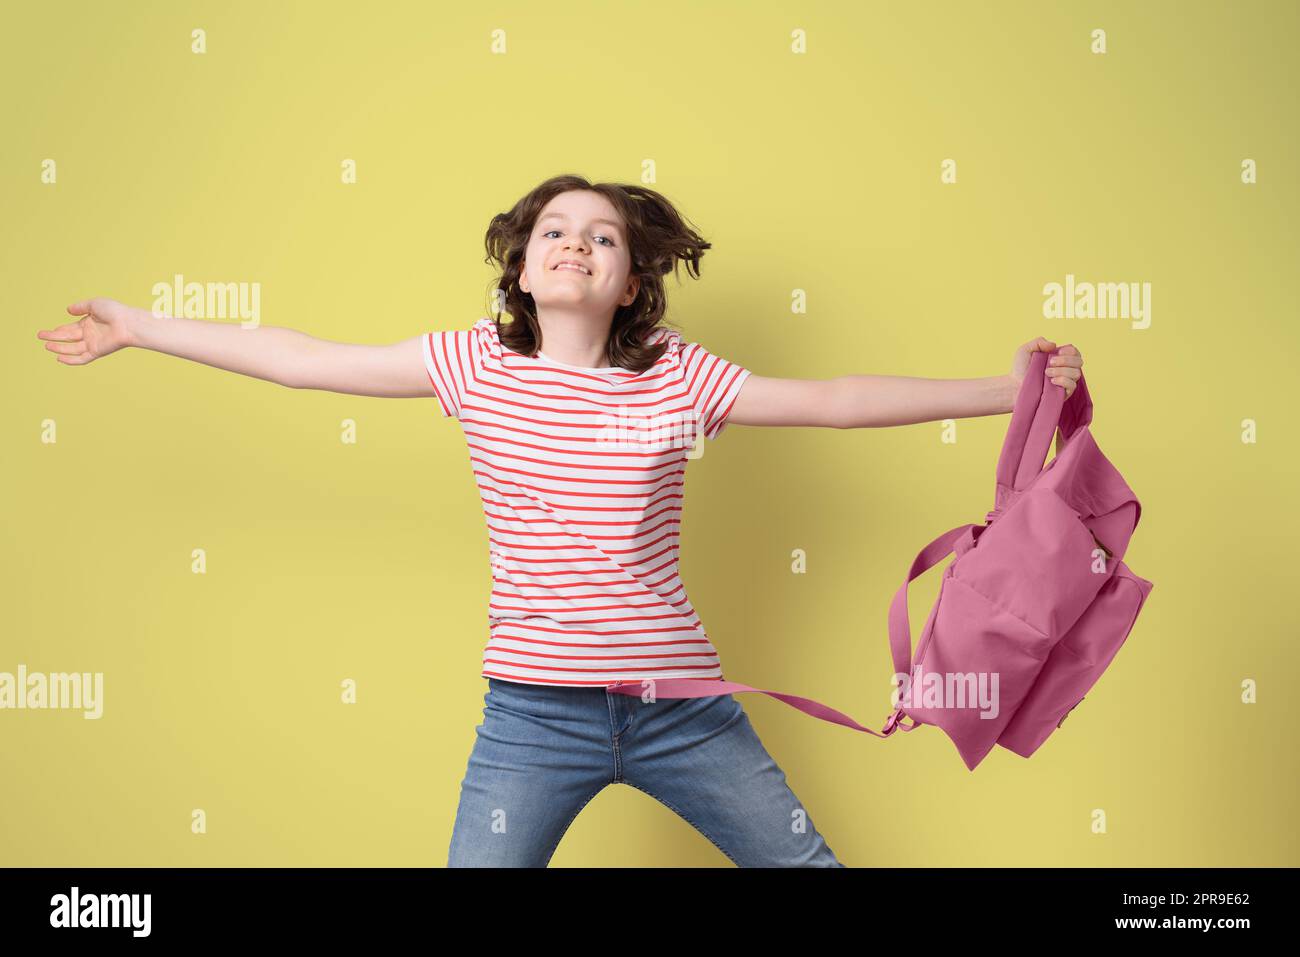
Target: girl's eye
(547, 234)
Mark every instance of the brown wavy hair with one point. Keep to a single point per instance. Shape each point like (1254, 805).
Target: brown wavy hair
(659, 239)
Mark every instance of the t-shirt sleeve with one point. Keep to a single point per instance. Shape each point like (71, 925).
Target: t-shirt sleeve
(714, 383)
(449, 359)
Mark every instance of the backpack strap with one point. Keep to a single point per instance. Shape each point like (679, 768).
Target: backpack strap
(900, 630)
(899, 638)
(708, 687)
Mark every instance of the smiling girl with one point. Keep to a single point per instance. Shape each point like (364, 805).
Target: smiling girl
(580, 414)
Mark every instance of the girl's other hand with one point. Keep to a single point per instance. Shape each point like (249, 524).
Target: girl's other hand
(1063, 369)
(103, 330)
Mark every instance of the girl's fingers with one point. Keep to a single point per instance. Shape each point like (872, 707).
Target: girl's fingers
(66, 348)
(1065, 367)
(81, 308)
(69, 331)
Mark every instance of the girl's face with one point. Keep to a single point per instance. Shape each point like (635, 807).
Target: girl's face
(583, 228)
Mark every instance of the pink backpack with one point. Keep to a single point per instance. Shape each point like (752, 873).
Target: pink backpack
(1032, 610)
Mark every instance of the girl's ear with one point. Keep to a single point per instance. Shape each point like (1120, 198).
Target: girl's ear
(633, 286)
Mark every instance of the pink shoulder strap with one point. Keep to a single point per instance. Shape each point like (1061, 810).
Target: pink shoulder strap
(900, 644)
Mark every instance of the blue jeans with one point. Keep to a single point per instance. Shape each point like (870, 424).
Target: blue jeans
(543, 752)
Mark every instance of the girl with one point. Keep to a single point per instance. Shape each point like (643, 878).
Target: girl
(579, 414)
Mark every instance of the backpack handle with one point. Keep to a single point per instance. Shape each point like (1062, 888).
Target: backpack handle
(1041, 408)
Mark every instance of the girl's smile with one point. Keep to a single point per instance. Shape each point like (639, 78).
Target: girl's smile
(572, 265)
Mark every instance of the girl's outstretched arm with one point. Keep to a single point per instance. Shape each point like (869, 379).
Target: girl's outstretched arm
(284, 356)
(874, 401)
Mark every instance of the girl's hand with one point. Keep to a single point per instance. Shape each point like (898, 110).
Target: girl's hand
(104, 330)
(1063, 369)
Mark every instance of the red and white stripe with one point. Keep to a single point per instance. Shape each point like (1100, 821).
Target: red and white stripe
(581, 474)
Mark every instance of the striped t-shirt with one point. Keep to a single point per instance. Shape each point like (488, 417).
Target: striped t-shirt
(581, 473)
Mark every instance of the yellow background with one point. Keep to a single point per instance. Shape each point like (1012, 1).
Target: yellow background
(818, 172)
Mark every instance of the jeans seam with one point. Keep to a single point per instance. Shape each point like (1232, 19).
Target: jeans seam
(564, 830)
(614, 736)
(687, 819)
